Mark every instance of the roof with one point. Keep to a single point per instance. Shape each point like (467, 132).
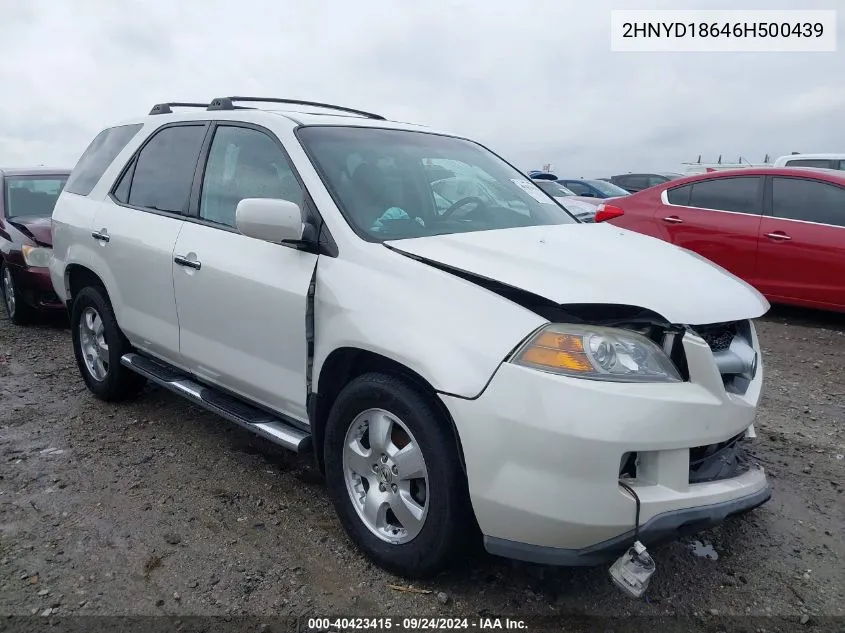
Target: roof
(298, 113)
(833, 156)
(667, 174)
(826, 174)
(33, 171)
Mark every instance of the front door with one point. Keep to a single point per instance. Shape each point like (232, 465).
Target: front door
(242, 301)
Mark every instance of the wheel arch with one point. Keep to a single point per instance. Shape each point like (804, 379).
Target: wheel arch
(77, 277)
(343, 365)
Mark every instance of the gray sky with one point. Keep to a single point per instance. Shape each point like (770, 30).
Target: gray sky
(533, 79)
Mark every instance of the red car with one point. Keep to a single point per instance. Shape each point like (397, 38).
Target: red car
(780, 229)
(27, 197)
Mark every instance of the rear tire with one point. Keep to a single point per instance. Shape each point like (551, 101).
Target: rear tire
(18, 312)
(394, 474)
(98, 345)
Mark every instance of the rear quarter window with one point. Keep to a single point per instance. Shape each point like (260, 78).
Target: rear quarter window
(679, 195)
(98, 156)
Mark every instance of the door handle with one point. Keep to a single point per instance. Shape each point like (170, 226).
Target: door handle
(673, 219)
(101, 236)
(190, 263)
(778, 237)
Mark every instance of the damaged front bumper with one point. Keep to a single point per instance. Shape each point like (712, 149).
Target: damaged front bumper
(664, 527)
(544, 455)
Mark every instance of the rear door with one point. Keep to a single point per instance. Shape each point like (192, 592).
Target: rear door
(136, 228)
(802, 242)
(718, 218)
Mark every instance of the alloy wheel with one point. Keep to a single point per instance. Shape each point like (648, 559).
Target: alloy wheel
(386, 476)
(92, 341)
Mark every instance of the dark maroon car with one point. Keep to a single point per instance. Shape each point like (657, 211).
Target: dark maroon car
(26, 205)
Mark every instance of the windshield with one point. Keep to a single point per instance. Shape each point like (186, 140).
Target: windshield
(553, 188)
(32, 196)
(395, 184)
(608, 188)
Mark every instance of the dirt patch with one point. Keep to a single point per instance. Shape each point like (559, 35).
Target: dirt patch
(157, 507)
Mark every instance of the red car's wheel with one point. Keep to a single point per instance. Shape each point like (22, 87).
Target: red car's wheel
(19, 312)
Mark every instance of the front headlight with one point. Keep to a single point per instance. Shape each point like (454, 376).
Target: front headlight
(597, 353)
(37, 256)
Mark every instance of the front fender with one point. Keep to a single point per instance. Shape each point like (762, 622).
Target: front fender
(448, 330)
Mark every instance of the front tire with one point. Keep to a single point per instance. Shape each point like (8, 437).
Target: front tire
(19, 312)
(394, 475)
(98, 345)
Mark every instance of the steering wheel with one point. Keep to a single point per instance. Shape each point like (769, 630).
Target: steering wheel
(463, 201)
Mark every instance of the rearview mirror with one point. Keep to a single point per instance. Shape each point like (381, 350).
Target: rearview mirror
(269, 219)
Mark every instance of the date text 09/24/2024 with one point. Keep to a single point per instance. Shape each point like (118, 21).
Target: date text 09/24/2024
(414, 624)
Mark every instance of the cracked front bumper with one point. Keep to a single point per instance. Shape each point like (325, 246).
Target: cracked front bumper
(543, 454)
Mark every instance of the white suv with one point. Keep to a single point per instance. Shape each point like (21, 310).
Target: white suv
(486, 362)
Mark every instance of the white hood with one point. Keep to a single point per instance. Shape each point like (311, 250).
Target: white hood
(598, 263)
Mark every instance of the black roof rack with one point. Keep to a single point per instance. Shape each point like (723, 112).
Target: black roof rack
(165, 108)
(226, 103)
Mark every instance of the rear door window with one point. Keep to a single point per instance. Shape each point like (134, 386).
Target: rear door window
(165, 168)
(740, 195)
(808, 200)
(98, 156)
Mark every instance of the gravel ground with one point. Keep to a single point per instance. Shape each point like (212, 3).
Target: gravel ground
(157, 507)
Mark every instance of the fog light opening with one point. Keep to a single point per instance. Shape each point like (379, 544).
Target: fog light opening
(628, 466)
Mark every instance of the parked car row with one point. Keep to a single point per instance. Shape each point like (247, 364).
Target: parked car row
(583, 187)
(464, 357)
(780, 229)
(633, 183)
(581, 197)
(819, 161)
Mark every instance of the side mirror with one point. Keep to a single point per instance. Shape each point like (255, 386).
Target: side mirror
(269, 219)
